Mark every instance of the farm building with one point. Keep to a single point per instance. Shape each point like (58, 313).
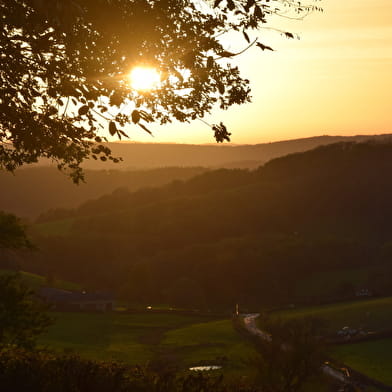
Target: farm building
(78, 301)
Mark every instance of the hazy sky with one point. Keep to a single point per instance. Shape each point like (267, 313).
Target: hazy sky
(336, 80)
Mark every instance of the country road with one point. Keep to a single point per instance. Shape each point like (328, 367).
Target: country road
(251, 326)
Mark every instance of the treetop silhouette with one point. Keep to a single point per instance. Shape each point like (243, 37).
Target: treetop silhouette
(65, 64)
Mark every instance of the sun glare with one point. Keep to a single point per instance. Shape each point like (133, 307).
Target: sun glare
(143, 78)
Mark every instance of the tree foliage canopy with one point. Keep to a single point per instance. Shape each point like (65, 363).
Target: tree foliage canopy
(21, 315)
(65, 65)
(292, 357)
(12, 232)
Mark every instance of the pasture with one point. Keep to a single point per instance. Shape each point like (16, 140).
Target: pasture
(373, 358)
(143, 338)
(371, 314)
(214, 342)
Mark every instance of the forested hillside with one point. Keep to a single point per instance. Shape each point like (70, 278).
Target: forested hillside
(34, 190)
(31, 191)
(263, 237)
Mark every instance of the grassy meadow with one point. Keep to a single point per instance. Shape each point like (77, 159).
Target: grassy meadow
(141, 338)
(371, 315)
(208, 342)
(373, 358)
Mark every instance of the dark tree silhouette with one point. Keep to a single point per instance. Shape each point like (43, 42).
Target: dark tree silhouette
(12, 232)
(292, 357)
(65, 65)
(21, 315)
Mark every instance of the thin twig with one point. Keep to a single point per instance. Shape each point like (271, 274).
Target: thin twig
(66, 107)
(99, 114)
(204, 122)
(237, 54)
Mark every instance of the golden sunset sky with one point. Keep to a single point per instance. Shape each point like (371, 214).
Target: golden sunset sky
(335, 80)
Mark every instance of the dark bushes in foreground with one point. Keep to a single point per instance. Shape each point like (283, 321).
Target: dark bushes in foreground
(41, 371)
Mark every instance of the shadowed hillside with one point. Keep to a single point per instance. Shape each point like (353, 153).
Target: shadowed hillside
(236, 235)
(34, 190)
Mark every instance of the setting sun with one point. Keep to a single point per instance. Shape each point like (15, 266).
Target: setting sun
(143, 78)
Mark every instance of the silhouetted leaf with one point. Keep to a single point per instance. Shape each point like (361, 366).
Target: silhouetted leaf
(264, 47)
(112, 128)
(221, 88)
(178, 75)
(220, 133)
(258, 13)
(249, 4)
(230, 5)
(246, 36)
(83, 110)
(122, 133)
(52, 110)
(146, 129)
(116, 99)
(145, 116)
(135, 116)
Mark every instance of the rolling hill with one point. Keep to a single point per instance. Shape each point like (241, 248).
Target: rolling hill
(257, 237)
(153, 155)
(36, 189)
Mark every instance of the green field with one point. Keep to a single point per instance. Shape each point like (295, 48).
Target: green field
(373, 358)
(140, 338)
(372, 314)
(36, 281)
(206, 342)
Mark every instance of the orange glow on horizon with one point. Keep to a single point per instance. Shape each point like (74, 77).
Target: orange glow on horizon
(335, 80)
